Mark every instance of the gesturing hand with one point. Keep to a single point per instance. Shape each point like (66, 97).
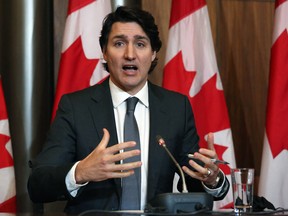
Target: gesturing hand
(209, 172)
(101, 164)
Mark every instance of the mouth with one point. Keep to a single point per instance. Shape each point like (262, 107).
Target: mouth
(130, 68)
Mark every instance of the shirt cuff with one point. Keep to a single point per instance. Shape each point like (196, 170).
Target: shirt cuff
(70, 181)
(220, 190)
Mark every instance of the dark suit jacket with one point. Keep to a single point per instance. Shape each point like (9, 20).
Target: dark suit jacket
(77, 129)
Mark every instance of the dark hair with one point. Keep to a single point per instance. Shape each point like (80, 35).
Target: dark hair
(126, 14)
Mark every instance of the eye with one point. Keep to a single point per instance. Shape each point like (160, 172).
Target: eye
(140, 44)
(119, 43)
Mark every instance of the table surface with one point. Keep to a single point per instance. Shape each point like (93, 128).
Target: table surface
(105, 213)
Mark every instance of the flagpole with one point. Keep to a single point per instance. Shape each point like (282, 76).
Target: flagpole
(27, 75)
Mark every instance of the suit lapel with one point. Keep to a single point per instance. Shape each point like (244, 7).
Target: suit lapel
(101, 108)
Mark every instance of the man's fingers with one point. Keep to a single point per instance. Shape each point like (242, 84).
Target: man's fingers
(121, 174)
(121, 146)
(126, 154)
(210, 141)
(102, 145)
(207, 153)
(105, 139)
(125, 167)
(123, 170)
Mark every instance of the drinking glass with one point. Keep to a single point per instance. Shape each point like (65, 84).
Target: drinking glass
(242, 183)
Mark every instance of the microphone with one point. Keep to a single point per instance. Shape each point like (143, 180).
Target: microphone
(162, 143)
(179, 202)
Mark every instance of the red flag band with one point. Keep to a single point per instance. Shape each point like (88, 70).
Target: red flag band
(191, 69)
(7, 175)
(80, 64)
(273, 179)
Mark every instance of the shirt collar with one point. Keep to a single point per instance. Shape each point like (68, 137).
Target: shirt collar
(119, 96)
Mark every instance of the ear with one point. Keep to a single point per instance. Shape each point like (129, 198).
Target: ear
(153, 55)
(104, 55)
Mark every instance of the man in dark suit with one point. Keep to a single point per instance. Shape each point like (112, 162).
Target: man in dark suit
(83, 158)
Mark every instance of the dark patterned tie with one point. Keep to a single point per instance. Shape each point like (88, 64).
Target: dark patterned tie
(131, 185)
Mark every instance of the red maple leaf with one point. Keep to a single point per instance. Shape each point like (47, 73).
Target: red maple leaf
(75, 71)
(6, 159)
(176, 77)
(277, 110)
(208, 105)
(210, 109)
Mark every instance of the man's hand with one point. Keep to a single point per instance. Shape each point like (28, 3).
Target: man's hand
(209, 172)
(101, 164)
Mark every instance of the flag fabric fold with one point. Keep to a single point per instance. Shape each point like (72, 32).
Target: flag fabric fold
(80, 62)
(191, 69)
(273, 176)
(7, 175)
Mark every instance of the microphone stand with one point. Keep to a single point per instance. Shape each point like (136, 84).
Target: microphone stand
(161, 142)
(179, 202)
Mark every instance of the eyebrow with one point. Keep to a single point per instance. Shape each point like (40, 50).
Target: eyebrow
(138, 37)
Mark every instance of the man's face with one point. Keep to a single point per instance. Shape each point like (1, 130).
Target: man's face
(129, 56)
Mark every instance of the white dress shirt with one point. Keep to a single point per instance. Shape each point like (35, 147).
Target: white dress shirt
(142, 117)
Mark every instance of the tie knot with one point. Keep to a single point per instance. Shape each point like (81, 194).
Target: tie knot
(131, 103)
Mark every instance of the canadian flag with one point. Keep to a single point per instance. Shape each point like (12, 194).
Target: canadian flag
(80, 64)
(191, 69)
(273, 184)
(7, 175)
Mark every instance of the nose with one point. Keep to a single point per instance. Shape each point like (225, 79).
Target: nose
(130, 52)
